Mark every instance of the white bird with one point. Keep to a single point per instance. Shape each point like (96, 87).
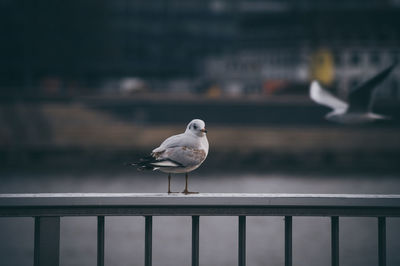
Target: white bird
(181, 153)
(358, 108)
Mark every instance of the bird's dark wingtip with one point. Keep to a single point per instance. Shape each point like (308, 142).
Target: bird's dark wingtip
(143, 163)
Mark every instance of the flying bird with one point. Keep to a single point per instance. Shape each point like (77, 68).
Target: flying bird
(181, 153)
(358, 109)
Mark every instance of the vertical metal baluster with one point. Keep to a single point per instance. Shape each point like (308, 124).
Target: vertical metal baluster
(100, 240)
(335, 240)
(195, 240)
(242, 241)
(47, 241)
(288, 240)
(382, 241)
(148, 240)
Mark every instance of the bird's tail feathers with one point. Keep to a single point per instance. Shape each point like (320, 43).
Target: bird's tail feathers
(145, 163)
(151, 163)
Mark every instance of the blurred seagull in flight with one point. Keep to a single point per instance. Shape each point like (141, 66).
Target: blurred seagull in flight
(358, 108)
(181, 153)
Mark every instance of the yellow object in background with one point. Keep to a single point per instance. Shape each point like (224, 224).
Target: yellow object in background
(214, 92)
(322, 66)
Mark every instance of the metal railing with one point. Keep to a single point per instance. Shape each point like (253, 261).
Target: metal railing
(48, 208)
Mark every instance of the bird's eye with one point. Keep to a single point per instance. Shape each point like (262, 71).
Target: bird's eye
(195, 126)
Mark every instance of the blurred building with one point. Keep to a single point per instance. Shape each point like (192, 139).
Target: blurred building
(239, 46)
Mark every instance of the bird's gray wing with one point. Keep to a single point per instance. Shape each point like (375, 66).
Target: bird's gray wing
(184, 156)
(178, 151)
(324, 97)
(360, 98)
(173, 141)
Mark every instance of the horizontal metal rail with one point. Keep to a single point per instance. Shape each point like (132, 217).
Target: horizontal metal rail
(221, 204)
(48, 208)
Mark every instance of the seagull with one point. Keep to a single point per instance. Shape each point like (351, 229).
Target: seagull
(181, 153)
(358, 108)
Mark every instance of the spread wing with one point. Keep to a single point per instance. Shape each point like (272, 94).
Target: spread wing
(324, 97)
(360, 98)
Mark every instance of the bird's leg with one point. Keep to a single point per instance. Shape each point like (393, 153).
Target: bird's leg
(186, 191)
(169, 184)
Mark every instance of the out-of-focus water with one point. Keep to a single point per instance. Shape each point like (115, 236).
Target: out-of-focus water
(218, 235)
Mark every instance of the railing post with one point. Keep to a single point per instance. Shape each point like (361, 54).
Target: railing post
(148, 240)
(242, 241)
(288, 240)
(195, 240)
(382, 241)
(47, 241)
(335, 240)
(100, 240)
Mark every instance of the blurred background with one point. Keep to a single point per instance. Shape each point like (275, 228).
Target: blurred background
(86, 86)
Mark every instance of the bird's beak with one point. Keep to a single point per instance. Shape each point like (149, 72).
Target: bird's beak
(203, 130)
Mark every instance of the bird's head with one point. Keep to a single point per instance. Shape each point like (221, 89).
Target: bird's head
(197, 127)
